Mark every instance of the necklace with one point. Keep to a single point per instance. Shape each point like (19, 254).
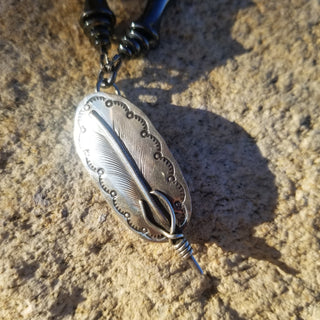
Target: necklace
(118, 145)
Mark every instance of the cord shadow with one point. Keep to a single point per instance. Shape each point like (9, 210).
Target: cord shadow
(200, 41)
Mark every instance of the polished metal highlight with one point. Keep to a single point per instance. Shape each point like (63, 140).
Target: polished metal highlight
(134, 169)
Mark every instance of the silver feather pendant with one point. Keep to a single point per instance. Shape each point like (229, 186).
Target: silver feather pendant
(133, 167)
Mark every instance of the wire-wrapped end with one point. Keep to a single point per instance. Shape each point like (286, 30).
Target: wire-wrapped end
(143, 34)
(185, 251)
(139, 39)
(98, 22)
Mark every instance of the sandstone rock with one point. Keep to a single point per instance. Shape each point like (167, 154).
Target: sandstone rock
(234, 90)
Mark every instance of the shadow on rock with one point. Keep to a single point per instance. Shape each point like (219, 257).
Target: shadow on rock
(232, 188)
(193, 48)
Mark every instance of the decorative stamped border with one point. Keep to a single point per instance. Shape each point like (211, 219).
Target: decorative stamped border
(145, 133)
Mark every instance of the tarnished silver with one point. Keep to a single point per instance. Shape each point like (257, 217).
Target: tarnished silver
(133, 167)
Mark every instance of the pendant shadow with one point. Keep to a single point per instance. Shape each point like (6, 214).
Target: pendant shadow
(232, 188)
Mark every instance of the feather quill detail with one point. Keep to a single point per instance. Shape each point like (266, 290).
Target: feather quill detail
(134, 169)
(129, 161)
(113, 156)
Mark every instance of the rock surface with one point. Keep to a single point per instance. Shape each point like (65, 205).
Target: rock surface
(234, 90)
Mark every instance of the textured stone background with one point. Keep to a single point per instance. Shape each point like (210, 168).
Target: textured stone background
(234, 89)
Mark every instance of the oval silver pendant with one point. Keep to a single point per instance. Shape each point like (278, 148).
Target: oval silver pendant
(133, 167)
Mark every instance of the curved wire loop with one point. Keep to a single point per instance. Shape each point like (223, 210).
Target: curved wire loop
(181, 245)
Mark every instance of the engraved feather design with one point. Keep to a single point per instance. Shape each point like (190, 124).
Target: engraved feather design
(129, 161)
(118, 177)
(116, 166)
(134, 168)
